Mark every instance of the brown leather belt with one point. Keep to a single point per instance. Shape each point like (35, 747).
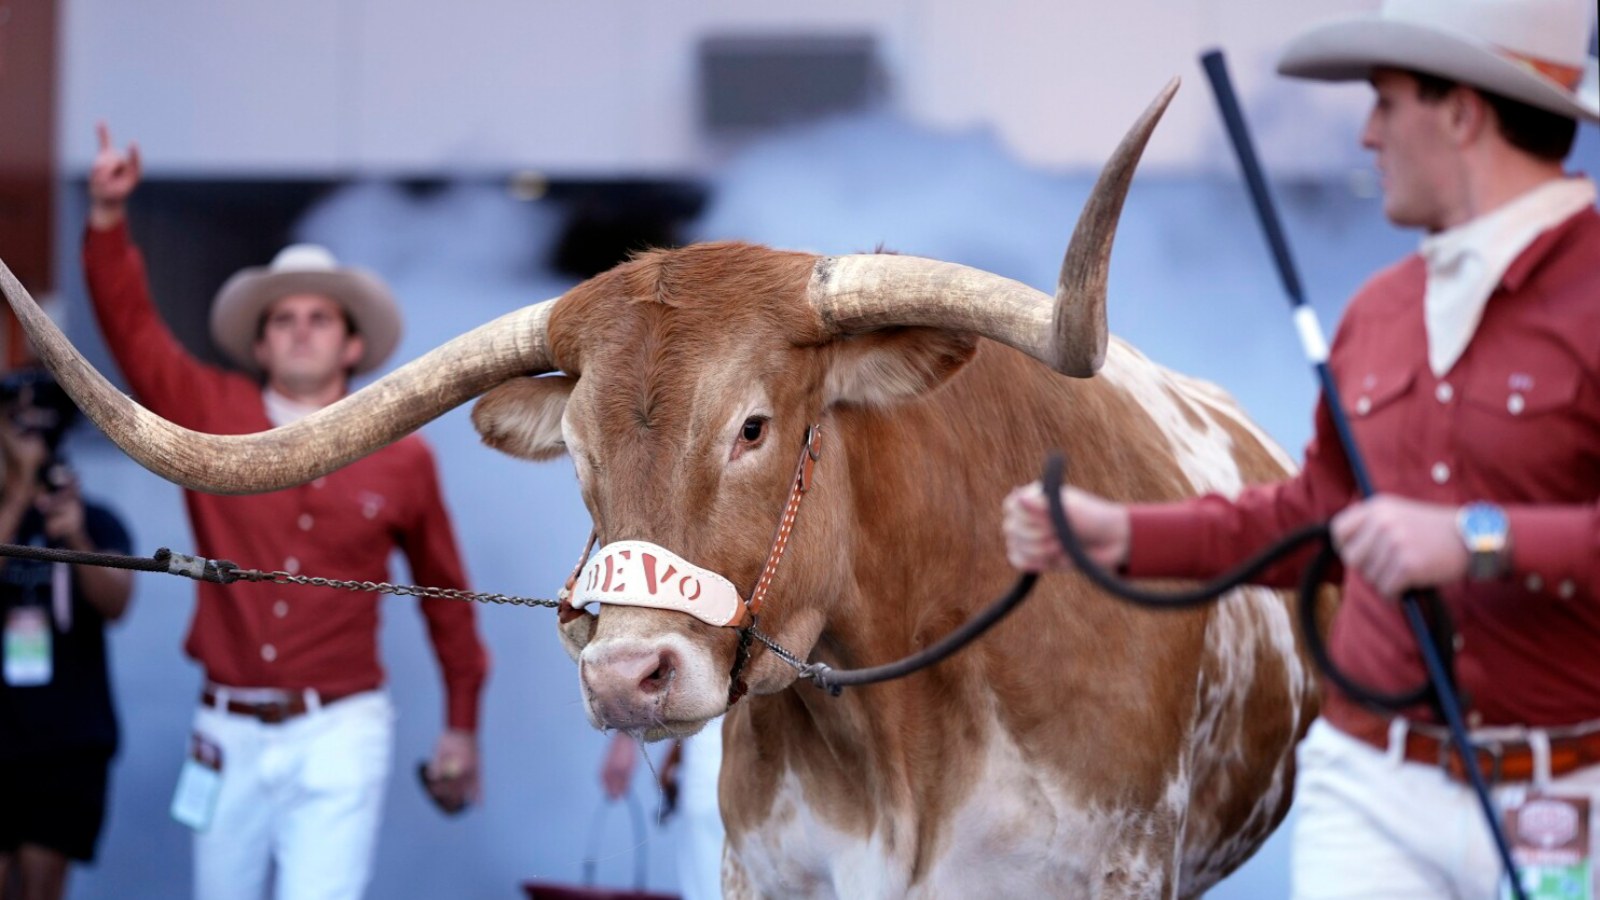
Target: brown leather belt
(270, 712)
(1507, 760)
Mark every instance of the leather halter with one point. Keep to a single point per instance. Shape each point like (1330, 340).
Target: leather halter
(810, 452)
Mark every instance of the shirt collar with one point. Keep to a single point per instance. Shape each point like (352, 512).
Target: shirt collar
(281, 410)
(1466, 263)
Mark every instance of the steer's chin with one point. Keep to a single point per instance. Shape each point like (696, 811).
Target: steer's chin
(654, 730)
(679, 718)
(673, 730)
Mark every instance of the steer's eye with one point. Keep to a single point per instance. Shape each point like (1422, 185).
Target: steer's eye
(754, 428)
(751, 434)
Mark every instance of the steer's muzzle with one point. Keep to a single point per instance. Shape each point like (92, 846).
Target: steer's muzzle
(628, 686)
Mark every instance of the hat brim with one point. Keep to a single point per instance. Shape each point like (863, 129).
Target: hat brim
(1349, 50)
(236, 314)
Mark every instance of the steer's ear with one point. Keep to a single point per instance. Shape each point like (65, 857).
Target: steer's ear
(881, 368)
(522, 417)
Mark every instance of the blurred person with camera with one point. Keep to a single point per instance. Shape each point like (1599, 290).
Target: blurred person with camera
(292, 743)
(58, 724)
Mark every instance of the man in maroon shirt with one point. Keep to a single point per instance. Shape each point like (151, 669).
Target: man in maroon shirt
(1471, 372)
(293, 737)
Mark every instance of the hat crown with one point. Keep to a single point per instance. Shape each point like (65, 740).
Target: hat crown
(1555, 31)
(304, 258)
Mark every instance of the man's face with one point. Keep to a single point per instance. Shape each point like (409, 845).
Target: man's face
(1416, 153)
(23, 448)
(305, 344)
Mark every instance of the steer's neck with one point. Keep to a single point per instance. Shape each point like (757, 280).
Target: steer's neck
(922, 547)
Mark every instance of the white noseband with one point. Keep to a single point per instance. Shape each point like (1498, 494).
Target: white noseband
(639, 573)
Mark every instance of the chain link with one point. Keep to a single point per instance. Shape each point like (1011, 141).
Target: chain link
(384, 587)
(820, 674)
(781, 653)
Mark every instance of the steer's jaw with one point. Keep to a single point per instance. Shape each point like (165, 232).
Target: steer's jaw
(664, 685)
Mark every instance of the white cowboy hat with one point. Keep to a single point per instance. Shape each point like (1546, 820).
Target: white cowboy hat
(1533, 51)
(304, 269)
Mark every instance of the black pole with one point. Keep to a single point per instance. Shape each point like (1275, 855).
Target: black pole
(1316, 348)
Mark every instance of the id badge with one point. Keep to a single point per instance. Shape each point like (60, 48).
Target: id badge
(1550, 842)
(199, 784)
(27, 647)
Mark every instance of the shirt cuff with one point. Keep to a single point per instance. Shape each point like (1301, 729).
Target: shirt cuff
(461, 713)
(1556, 543)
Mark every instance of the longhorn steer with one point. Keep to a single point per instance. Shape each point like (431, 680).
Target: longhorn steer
(1082, 748)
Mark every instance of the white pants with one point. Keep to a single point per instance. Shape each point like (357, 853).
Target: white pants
(297, 816)
(700, 834)
(1371, 825)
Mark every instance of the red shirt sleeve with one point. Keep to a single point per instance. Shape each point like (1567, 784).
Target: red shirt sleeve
(159, 371)
(1560, 544)
(429, 545)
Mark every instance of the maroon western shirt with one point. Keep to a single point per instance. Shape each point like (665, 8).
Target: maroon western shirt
(343, 525)
(1516, 421)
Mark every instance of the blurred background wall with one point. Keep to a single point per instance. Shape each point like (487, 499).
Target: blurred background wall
(488, 154)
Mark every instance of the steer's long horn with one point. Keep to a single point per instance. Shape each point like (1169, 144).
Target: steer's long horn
(380, 413)
(862, 292)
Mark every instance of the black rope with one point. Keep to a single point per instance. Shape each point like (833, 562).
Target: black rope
(164, 560)
(835, 680)
(1441, 626)
(1382, 701)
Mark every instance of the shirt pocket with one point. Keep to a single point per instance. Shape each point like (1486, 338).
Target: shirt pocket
(1375, 395)
(1520, 423)
(1377, 405)
(1524, 392)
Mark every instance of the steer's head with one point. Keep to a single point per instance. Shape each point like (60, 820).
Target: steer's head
(691, 378)
(682, 385)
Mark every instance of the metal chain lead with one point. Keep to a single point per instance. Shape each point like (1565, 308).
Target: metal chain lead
(221, 571)
(815, 672)
(384, 587)
(772, 645)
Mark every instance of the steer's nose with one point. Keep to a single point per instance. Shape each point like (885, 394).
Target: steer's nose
(627, 685)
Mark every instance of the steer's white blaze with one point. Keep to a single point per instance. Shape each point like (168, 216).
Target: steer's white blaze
(1221, 404)
(1205, 453)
